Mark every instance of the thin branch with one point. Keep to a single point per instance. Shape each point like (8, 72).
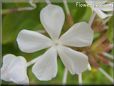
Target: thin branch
(65, 76)
(69, 16)
(66, 7)
(111, 64)
(32, 6)
(41, 31)
(110, 47)
(92, 18)
(106, 20)
(32, 62)
(108, 55)
(106, 74)
(48, 1)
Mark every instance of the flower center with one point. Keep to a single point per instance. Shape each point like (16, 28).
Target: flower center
(57, 42)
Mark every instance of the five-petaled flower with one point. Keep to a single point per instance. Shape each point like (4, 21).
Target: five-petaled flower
(79, 35)
(101, 7)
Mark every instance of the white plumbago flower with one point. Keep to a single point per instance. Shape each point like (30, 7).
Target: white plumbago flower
(79, 35)
(14, 69)
(101, 7)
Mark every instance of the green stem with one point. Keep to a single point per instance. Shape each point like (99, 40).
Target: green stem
(65, 76)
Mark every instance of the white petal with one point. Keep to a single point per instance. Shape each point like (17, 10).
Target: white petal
(7, 60)
(52, 17)
(46, 66)
(75, 62)
(96, 2)
(100, 13)
(79, 35)
(31, 41)
(107, 7)
(14, 69)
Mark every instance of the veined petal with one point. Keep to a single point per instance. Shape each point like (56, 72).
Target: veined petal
(14, 69)
(74, 61)
(106, 7)
(79, 35)
(100, 13)
(31, 41)
(52, 17)
(46, 66)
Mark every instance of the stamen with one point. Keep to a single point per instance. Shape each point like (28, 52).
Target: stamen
(65, 76)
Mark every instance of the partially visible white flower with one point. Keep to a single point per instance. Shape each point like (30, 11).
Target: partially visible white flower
(14, 69)
(101, 7)
(79, 35)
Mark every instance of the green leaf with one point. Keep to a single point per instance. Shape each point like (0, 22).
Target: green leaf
(14, 22)
(80, 13)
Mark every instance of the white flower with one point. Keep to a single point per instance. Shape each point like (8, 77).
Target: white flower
(100, 7)
(79, 35)
(14, 69)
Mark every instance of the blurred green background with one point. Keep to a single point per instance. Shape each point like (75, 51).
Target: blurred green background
(13, 23)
